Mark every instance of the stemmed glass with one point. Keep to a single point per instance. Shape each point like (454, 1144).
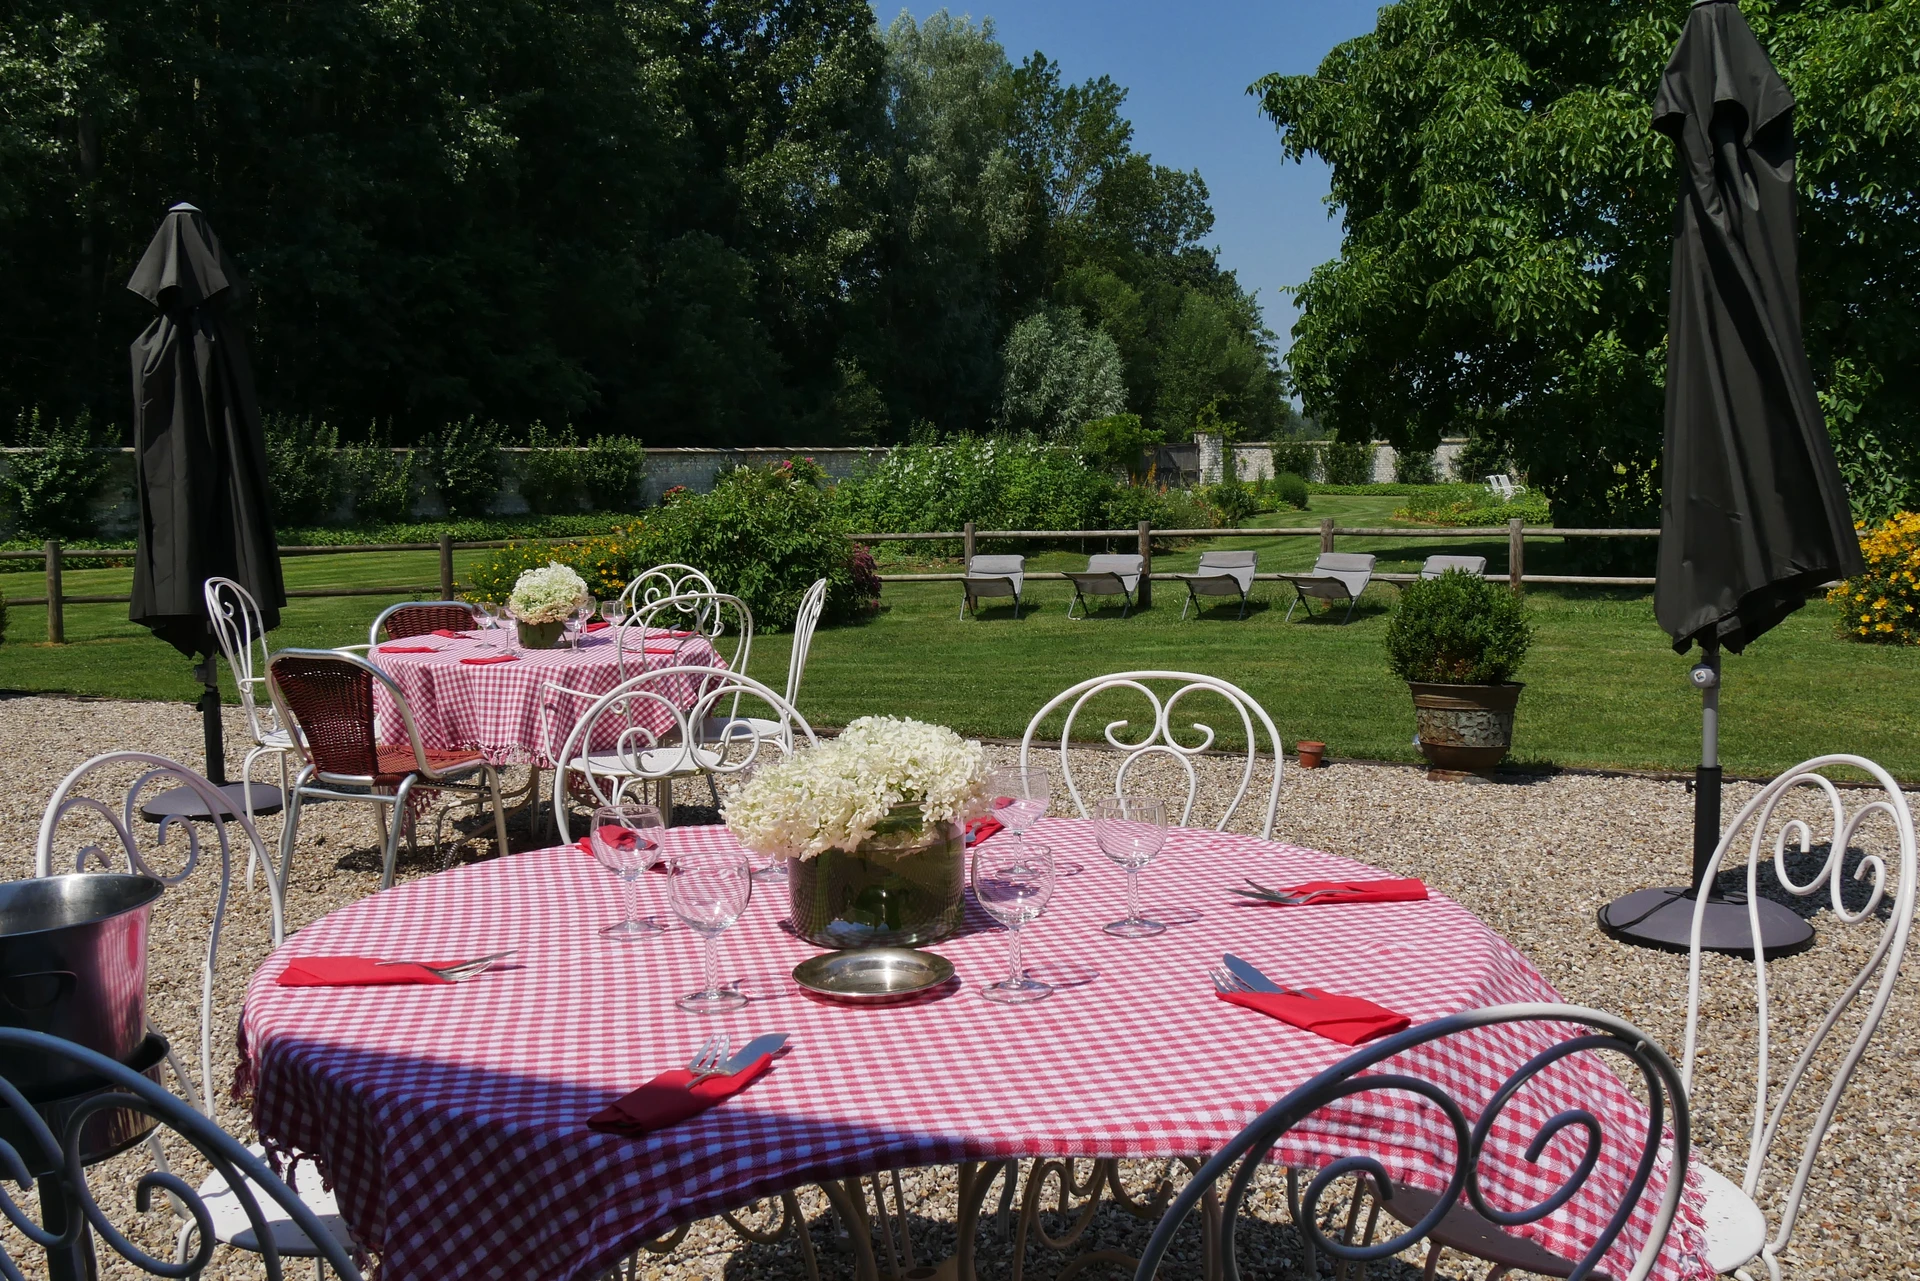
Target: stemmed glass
(576, 627)
(1013, 884)
(491, 620)
(626, 840)
(614, 611)
(1131, 830)
(1020, 795)
(709, 889)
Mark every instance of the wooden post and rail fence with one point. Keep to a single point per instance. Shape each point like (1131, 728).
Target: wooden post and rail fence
(55, 557)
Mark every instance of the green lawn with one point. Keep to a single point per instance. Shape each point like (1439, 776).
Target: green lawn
(1603, 686)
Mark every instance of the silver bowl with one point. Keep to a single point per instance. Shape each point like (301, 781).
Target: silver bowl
(873, 975)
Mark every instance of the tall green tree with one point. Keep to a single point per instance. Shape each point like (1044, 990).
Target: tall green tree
(1507, 209)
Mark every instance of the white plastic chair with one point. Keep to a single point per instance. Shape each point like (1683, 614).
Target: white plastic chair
(993, 576)
(1435, 566)
(1220, 574)
(72, 805)
(1336, 576)
(1117, 574)
(1159, 739)
(637, 755)
(1736, 1226)
(1503, 487)
(238, 627)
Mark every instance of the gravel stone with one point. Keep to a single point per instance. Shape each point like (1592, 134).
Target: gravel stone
(1534, 856)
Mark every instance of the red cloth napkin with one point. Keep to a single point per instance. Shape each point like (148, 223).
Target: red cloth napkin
(981, 828)
(666, 1100)
(669, 649)
(447, 632)
(601, 625)
(409, 649)
(1350, 1020)
(492, 658)
(1388, 890)
(355, 971)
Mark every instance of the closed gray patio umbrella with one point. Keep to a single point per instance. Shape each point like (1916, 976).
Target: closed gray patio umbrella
(1754, 517)
(200, 466)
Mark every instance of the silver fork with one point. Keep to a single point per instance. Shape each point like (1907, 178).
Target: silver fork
(462, 970)
(1225, 982)
(1283, 897)
(707, 1059)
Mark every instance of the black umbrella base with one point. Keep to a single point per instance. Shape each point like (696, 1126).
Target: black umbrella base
(1663, 919)
(184, 802)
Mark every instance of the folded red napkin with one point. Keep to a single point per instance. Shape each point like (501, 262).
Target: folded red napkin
(409, 649)
(447, 632)
(981, 828)
(600, 625)
(1387, 890)
(663, 649)
(668, 1100)
(355, 971)
(1350, 1020)
(492, 658)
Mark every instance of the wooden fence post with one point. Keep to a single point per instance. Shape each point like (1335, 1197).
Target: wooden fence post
(1143, 594)
(1326, 533)
(446, 566)
(1516, 555)
(966, 547)
(56, 608)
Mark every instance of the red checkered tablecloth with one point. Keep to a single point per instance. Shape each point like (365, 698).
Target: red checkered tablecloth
(451, 1120)
(496, 708)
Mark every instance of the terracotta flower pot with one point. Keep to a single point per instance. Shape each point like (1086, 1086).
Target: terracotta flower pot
(1464, 729)
(1312, 754)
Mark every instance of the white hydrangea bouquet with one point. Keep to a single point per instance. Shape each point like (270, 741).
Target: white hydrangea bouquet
(883, 782)
(547, 595)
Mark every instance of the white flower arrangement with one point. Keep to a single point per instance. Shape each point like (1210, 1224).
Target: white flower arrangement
(547, 595)
(834, 796)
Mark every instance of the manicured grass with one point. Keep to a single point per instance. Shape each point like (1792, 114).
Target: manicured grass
(1604, 688)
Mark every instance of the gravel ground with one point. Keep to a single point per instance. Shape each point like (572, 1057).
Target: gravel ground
(1534, 857)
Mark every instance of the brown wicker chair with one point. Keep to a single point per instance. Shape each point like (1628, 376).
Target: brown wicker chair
(420, 618)
(328, 695)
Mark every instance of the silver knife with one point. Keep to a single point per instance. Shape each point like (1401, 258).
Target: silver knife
(1259, 982)
(768, 1044)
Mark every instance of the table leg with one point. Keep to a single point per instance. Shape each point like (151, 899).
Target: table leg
(850, 1203)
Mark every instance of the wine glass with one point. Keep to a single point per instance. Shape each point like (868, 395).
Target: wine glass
(1019, 801)
(614, 611)
(709, 889)
(1013, 884)
(487, 620)
(1130, 830)
(626, 840)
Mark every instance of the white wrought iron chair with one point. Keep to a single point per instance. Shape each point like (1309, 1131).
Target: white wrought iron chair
(76, 814)
(732, 725)
(725, 622)
(327, 696)
(1459, 1216)
(663, 581)
(1159, 740)
(1736, 1226)
(238, 627)
(645, 731)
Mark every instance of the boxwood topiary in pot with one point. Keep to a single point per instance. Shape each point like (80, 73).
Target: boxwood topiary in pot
(1457, 640)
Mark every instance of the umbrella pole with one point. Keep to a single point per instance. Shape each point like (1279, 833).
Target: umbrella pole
(184, 802)
(212, 730)
(1706, 779)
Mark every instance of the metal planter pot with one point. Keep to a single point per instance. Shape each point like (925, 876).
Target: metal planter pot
(900, 890)
(539, 635)
(1464, 729)
(73, 964)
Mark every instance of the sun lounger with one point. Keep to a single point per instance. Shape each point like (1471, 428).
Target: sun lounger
(993, 576)
(1220, 574)
(1336, 576)
(1438, 565)
(1114, 575)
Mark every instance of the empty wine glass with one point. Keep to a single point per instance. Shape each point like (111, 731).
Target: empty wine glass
(626, 840)
(486, 618)
(1019, 795)
(1013, 884)
(614, 611)
(1130, 830)
(709, 889)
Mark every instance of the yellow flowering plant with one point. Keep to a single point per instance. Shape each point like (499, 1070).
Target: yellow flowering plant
(1882, 606)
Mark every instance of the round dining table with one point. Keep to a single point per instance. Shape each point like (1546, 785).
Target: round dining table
(451, 1120)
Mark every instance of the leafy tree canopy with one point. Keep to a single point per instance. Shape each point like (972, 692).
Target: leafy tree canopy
(1507, 212)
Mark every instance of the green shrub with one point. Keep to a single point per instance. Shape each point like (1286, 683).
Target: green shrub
(612, 468)
(50, 494)
(1299, 457)
(463, 466)
(1290, 489)
(303, 474)
(1472, 506)
(1347, 462)
(997, 482)
(1185, 509)
(1482, 456)
(381, 477)
(1414, 467)
(3, 618)
(1457, 629)
(490, 529)
(553, 471)
(1235, 500)
(1119, 442)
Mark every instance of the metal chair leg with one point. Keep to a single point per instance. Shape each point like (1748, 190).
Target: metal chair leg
(500, 810)
(1351, 602)
(391, 853)
(289, 833)
(1190, 600)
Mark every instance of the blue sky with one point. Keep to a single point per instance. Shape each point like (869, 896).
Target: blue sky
(1186, 67)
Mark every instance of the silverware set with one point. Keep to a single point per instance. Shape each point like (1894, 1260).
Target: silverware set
(460, 971)
(1236, 975)
(1282, 897)
(712, 1059)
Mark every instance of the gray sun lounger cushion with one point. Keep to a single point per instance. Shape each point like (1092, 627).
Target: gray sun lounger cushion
(1336, 576)
(1221, 574)
(1117, 574)
(994, 576)
(1438, 565)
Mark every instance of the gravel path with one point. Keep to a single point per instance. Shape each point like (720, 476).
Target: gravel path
(1534, 858)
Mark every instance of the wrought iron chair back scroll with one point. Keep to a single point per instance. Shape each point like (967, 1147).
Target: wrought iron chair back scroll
(804, 624)
(71, 806)
(663, 581)
(1888, 910)
(243, 640)
(725, 622)
(633, 753)
(1240, 1160)
(1159, 739)
(62, 1177)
